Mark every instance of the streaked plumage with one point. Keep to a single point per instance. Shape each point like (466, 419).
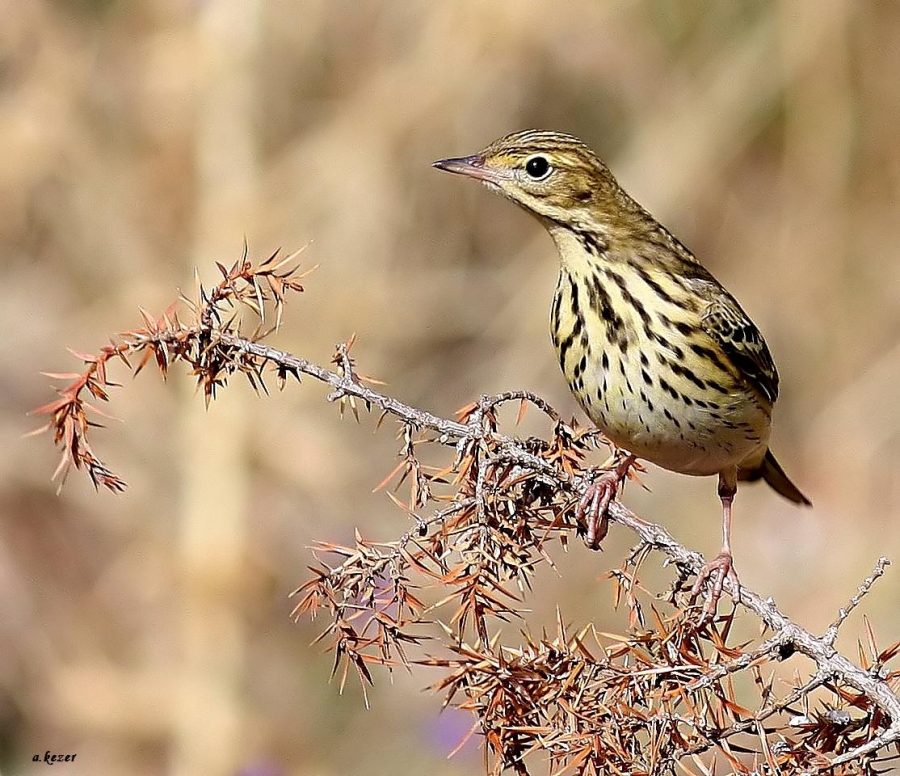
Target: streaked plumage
(660, 356)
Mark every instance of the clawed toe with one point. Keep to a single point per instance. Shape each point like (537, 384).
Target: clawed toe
(593, 508)
(714, 575)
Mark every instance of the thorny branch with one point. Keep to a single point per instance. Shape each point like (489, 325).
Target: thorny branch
(658, 698)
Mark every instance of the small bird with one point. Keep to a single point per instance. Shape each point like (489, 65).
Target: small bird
(658, 354)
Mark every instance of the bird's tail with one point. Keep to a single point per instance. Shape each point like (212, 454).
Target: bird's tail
(770, 470)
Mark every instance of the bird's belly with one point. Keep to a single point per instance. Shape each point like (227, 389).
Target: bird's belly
(658, 443)
(665, 422)
(639, 364)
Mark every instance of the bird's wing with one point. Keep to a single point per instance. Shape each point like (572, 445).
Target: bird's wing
(740, 340)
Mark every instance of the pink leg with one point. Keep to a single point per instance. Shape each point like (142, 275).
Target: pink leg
(721, 567)
(594, 504)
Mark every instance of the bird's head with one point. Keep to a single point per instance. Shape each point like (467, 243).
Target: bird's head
(552, 175)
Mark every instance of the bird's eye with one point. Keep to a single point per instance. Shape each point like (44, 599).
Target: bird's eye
(538, 167)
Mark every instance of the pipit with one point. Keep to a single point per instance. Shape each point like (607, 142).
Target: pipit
(658, 354)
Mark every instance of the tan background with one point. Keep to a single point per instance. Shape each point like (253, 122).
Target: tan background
(149, 632)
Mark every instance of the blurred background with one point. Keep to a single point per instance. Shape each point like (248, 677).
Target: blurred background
(149, 633)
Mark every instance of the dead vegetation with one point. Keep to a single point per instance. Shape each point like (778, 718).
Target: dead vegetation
(674, 693)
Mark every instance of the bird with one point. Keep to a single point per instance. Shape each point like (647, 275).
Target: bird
(659, 355)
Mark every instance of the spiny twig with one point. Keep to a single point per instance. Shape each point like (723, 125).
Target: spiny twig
(831, 633)
(645, 701)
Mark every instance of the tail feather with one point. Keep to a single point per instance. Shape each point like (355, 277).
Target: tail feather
(770, 470)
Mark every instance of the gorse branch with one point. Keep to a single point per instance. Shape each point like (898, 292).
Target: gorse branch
(487, 508)
(165, 340)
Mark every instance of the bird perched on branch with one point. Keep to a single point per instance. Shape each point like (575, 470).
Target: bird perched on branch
(658, 354)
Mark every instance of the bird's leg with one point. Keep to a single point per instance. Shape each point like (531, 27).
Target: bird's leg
(594, 504)
(721, 567)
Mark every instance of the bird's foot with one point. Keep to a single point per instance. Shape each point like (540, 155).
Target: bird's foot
(593, 507)
(714, 574)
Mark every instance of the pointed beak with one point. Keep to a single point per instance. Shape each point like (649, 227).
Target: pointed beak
(471, 166)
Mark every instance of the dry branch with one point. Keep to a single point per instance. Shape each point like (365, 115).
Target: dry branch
(658, 697)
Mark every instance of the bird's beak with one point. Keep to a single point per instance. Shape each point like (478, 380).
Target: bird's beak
(472, 166)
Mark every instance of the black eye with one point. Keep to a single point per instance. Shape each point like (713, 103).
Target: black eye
(537, 167)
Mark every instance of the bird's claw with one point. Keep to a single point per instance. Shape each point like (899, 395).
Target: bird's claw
(715, 572)
(593, 507)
